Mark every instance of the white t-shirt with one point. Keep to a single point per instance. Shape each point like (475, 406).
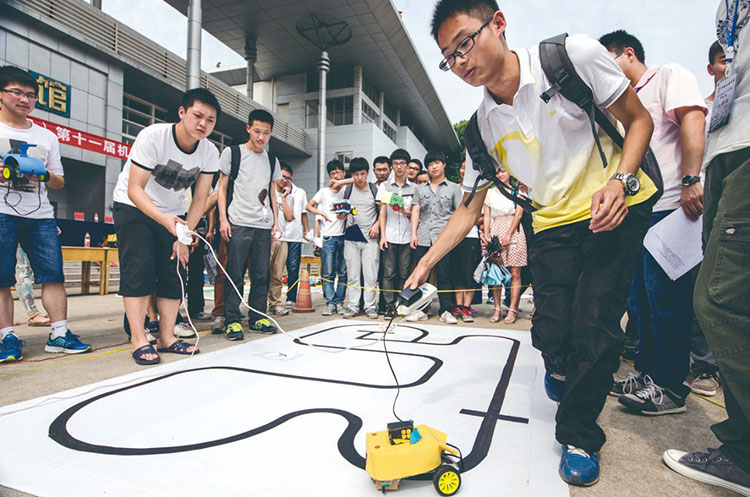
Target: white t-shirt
(29, 198)
(662, 90)
(173, 170)
(498, 203)
(549, 146)
(251, 200)
(324, 199)
(292, 230)
(397, 225)
(735, 135)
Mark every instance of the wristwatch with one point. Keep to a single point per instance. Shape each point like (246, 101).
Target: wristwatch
(688, 180)
(630, 182)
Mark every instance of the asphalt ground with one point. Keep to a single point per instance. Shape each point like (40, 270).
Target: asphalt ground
(630, 460)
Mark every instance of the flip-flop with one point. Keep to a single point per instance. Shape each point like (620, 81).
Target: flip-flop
(141, 351)
(178, 347)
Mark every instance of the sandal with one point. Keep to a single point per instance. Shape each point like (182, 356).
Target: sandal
(141, 351)
(496, 315)
(178, 347)
(37, 318)
(510, 319)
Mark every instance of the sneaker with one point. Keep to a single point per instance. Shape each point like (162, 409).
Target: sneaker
(390, 313)
(183, 330)
(350, 313)
(11, 348)
(234, 332)
(417, 316)
(456, 312)
(372, 313)
(279, 311)
(578, 467)
(630, 385)
(217, 327)
(448, 318)
(554, 386)
(68, 343)
(151, 338)
(201, 316)
(289, 304)
(466, 315)
(152, 327)
(705, 384)
(330, 310)
(264, 326)
(654, 400)
(710, 467)
(340, 309)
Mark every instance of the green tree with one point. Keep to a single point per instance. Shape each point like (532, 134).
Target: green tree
(454, 163)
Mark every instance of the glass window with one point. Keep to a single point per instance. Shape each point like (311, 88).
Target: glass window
(370, 90)
(390, 111)
(311, 114)
(389, 131)
(369, 114)
(338, 77)
(339, 111)
(345, 158)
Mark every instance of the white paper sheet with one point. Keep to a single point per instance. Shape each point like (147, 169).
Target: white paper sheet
(675, 243)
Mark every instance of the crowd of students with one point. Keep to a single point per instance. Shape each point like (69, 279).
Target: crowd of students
(593, 195)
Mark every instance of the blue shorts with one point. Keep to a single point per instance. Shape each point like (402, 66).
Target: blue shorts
(40, 241)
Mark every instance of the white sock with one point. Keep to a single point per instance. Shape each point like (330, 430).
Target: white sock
(7, 331)
(59, 328)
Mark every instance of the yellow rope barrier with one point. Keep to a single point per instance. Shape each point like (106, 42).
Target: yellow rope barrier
(398, 291)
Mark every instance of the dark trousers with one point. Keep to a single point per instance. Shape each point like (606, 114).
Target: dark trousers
(442, 272)
(396, 262)
(195, 280)
(293, 258)
(722, 299)
(247, 245)
(663, 312)
(581, 285)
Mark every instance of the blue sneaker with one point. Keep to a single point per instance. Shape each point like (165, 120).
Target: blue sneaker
(554, 386)
(264, 326)
(578, 467)
(68, 343)
(11, 348)
(234, 332)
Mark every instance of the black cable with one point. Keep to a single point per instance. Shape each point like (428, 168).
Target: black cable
(388, 358)
(39, 196)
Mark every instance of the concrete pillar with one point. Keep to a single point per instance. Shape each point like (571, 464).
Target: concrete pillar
(251, 56)
(324, 65)
(357, 105)
(195, 20)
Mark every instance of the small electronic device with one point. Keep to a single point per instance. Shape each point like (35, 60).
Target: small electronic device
(184, 235)
(343, 207)
(412, 300)
(393, 199)
(399, 432)
(15, 165)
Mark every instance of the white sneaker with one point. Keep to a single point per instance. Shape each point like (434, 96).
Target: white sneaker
(417, 316)
(289, 304)
(183, 330)
(151, 339)
(448, 318)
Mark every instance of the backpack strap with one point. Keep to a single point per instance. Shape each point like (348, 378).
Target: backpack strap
(272, 164)
(565, 80)
(482, 162)
(235, 156)
(374, 191)
(348, 191)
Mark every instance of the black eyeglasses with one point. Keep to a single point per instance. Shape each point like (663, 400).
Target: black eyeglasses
(462, 49)
(18, 93)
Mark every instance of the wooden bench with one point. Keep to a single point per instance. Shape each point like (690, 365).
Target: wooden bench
(86, 255)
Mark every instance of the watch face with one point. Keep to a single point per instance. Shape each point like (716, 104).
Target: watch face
(633, 185)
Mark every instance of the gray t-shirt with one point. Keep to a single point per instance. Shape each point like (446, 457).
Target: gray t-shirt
(367, 210)
(251, 203)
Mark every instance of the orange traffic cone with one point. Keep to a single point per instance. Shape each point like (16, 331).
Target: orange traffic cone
(304, 299)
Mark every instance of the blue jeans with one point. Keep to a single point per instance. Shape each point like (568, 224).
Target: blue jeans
(293, 257)
(40, 241)
(333, 265)
(664, 313)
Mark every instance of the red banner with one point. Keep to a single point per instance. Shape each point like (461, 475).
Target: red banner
(86, 141)
(78, 216)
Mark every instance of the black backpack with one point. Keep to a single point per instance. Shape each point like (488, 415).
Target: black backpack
(236, 157)
(560, 71)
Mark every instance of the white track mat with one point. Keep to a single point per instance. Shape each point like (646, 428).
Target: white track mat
(276, 417)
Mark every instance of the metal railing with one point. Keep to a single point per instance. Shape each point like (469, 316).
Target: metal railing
(115, 38)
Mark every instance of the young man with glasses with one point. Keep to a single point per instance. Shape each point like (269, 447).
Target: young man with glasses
(413, 170)
(27, 217)
(395, 229)
(588, 232)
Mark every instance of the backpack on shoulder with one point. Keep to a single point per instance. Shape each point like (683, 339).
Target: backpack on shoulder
(236, 157)
(564, 80)
(354, 233)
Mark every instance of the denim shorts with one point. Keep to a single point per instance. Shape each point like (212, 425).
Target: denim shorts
(40, 241)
